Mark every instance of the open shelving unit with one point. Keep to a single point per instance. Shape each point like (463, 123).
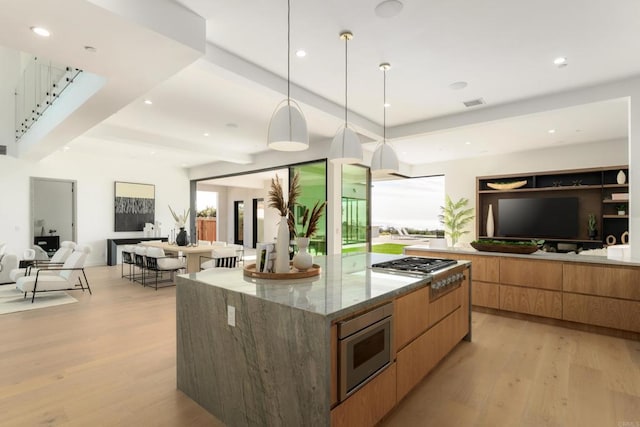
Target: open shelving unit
(592, 187)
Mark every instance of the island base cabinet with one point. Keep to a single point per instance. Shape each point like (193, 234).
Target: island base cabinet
(531, 301)
(418, 358)
(485, 294)
(367, 406)
(602, 311)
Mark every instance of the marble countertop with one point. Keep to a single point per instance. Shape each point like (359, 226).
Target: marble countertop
(539, 255)
(346, 284)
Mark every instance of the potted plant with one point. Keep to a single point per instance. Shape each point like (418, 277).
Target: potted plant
(591, 226)
(455, 216)
(181, 221)
(622, 209)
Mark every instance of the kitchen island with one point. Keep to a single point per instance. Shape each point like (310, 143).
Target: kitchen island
(265, 352)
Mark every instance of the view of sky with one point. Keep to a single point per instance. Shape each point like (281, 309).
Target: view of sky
(205, 199)
(413, 202)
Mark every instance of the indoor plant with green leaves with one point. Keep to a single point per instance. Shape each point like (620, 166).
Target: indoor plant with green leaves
(454, 217)
(591, 226)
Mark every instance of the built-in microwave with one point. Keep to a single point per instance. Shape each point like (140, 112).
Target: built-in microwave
(364, 348)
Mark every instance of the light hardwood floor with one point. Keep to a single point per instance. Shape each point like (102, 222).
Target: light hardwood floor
(109, 360)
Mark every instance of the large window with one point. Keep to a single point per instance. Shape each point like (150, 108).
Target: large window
(355, 208)
(313, 187)
(407, 206)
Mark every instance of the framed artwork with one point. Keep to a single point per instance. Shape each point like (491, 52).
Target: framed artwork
(135, 205)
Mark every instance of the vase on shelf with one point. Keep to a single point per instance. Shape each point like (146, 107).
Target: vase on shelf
(181, 238)
(490, 224)
(282, 247)
(302, 260)
(621, 177)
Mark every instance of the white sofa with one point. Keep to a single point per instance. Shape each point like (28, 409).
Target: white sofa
(7, 263)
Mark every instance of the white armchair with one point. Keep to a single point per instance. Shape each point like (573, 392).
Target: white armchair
(57, 260)
(58, 278)
(159, 263)
(8, 262)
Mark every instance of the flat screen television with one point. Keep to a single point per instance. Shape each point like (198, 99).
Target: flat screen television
(546, 217)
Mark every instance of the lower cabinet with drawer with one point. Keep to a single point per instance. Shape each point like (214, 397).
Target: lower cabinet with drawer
(538, 302)
(602, 311)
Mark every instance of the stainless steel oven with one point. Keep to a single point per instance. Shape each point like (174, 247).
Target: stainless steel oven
(364, 348)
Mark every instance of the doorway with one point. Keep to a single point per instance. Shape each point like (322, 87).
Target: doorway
(238, 222)
(258, 221)
(53, 212)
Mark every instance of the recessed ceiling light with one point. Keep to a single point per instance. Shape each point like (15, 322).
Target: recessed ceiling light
(42, 32)
(301, 53)
(560, 60)
(205, 134)
(152, 153)
(387, 105)
(467, 143)
(90, 49)
(551, 131)
(148, 101)
(388, 8)
(458, 85)
(66, 148)
(232, 125)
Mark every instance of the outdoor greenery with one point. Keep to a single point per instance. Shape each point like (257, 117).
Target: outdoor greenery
(383, 248)
(209, 212)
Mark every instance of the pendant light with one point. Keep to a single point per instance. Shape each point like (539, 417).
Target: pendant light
(384, 159)
(288, 127)
(345, 147)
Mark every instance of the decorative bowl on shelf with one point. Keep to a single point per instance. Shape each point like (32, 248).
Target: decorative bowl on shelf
(507, 185)
(505, 247)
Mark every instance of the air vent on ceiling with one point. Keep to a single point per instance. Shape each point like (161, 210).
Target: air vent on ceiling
(3, 150)
(474, 102)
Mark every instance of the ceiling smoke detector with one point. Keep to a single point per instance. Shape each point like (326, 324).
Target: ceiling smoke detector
(389, 8)
(474, 102)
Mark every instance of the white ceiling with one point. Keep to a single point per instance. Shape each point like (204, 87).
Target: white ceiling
(504, 49)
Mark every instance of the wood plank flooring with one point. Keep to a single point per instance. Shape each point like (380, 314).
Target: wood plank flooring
(109, 360)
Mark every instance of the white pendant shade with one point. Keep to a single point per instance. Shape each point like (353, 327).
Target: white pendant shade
(384, 159)
(288, 128)
(345, 147)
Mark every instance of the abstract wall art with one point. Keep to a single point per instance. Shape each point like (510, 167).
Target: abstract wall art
(135, 205)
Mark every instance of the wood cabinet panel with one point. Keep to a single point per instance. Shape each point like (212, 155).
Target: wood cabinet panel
(334, 364)
(410, 316)
(484, 294)
(531, 273)
(602, 311)
(417, 359)
(531, 301)
(619, 282)
(369, 404)
(441, 307)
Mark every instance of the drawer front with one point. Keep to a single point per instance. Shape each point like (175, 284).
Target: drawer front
(485, 294)
(602, 311)
(619, 282)
(444, 305)
(531, 301)
(533, 274)
(410, 316)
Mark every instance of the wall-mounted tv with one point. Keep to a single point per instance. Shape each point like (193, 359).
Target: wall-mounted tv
(546, 217)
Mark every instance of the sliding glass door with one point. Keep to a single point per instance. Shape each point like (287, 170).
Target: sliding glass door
(356, 219)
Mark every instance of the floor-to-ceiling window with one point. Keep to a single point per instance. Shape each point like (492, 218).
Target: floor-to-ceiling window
(355, 208)
(313, 189)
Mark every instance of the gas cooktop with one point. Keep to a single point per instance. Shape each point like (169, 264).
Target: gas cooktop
(415, 265)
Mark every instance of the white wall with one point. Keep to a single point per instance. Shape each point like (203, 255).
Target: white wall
(95, 196)
(460, 175)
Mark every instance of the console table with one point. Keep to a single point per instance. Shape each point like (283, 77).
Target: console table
(49, 243)
(112, 246)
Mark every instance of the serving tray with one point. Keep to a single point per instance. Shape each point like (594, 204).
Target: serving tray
(250, 270)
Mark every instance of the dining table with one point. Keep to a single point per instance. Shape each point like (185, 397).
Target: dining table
(192, 253)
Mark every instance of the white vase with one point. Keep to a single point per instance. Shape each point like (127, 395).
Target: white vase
(302, 261)
(621, 177)
(282, 247)
(490, 224)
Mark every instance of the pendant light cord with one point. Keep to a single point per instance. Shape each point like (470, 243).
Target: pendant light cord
(346, 65)
(384, 107)
(288, 52)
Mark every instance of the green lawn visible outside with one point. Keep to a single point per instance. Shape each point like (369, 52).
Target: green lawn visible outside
(383, 248)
